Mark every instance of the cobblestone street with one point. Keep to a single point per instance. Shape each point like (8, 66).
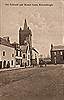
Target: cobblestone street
(45, 83)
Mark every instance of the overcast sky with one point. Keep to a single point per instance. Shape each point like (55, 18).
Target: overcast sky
(45, 22)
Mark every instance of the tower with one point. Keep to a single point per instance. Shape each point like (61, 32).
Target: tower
(25, 37)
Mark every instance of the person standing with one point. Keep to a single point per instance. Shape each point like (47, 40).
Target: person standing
(45, 63)
(25, 64)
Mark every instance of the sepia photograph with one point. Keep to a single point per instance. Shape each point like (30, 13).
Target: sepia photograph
(31, 49)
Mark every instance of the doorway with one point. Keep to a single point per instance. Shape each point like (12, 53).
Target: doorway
(0, 64)
(4, 64)
(20, 62)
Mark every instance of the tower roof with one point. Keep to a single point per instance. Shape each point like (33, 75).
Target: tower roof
(25, 24)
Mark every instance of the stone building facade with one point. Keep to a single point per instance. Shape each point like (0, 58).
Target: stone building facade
(35, 57)
(57, 54)
(7, 53)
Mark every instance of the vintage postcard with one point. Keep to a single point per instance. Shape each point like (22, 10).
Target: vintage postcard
(31, 49)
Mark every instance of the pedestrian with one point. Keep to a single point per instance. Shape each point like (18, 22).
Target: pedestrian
(25, 64)
(45, 64)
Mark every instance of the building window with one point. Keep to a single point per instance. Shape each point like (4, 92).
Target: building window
(28, 62)
(8, 64)
(16, 52)
(20, 54)
(12, 62)
(61, 53)
(4, 64)
(12, 55)
(54, 53)
(17, 61)
(58, 52)
(3, 53)
(55, 60)
(23, 55)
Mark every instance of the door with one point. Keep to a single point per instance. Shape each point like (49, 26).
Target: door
(4, 64)
(20, 62)
(0, 64)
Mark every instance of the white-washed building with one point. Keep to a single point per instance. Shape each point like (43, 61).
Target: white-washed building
(57, 54)
(22, 55)
(35, 57)
(7, 53)
(18, 56)
(25, 55)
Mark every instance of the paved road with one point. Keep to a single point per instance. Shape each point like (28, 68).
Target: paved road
(45, 83)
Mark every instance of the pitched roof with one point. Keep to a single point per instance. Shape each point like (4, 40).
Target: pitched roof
(6, 43)
(59, 47)
(35, 50)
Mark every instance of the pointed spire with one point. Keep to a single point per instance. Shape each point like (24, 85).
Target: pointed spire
(25, 20)
(25, 24)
